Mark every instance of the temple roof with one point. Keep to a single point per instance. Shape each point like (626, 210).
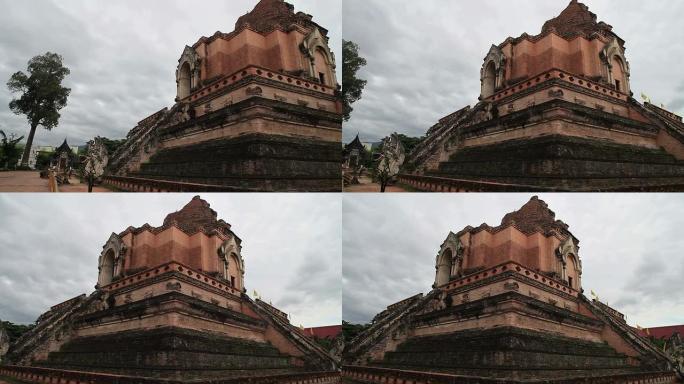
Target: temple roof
(63, 148)
(268, 15)
(356, 143)
(196, 215)
(576, 19)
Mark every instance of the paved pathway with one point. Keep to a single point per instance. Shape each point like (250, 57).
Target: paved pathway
(30, 181)
(22, 181)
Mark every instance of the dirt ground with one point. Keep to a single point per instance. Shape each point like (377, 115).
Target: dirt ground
(30, 181)
(367, 185)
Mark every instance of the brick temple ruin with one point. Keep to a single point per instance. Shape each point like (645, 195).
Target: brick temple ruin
(257, 109)
(556, 112)
(169, 307)
(507, 305)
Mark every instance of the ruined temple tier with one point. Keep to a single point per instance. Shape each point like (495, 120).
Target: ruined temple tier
(555, 113)
(257, 109)
(507, 303)
(170, 303)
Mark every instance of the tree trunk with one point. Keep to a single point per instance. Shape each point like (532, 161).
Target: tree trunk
(91, 182)
(29, 143)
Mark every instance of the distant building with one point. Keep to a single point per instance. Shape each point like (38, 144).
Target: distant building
(353, 153)
(325, 332)
(662, 332)
(35, 150)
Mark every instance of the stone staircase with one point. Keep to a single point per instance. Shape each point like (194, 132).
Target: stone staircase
(384, 326)
(315, 357)
(139, 143)
(52, 328)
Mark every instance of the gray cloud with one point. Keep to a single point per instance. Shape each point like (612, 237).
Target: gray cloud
(291, 247)
(424, 57)
(630, 247)
(122, 55)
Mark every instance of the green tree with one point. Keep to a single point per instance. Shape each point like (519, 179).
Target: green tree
(9, 151)
(16, 330)
(42, 94)
(112, 145)
(43, 160)
(350, 330)
(409, 142)
(352, 87)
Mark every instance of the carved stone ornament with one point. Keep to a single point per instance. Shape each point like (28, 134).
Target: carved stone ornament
(254, 91)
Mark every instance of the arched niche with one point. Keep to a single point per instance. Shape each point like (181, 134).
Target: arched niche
(492, 72)
(111, 260)
(489, 80)
(572, 272)
(232, 264)
(323, 68)
(618, 71)
(107, 268)
(569, 263)
(187, 73)
(615, 66)
(444, 266)
(184, 78)
(320, 60)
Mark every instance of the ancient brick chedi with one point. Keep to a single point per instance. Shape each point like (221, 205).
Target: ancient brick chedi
(507, 303)
(170, 303)
(256, 109)
(556, 112)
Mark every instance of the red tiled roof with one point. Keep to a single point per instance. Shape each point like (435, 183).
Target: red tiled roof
(327, 332)
(662, 332)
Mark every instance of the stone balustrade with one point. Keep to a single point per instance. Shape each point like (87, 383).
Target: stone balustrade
(441, 184)
(138, 184)
(395, 376)
(57, 376)
(254, 70)
(512, 267)
(168, 268)
(558, 74)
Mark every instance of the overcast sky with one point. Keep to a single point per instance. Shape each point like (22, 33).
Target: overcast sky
(631, 247)
(424, 57)
(122, 54)
(291, 247)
